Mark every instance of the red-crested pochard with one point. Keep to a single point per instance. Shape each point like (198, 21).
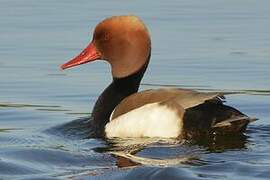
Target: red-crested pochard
(124, 42)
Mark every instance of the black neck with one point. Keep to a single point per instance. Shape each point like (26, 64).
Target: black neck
(112, 96)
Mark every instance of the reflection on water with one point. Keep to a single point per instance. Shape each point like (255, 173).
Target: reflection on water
(127, 151)
(8, 129)
(15, 105)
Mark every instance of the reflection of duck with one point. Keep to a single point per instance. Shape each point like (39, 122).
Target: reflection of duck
(169, 151)
(120, 111)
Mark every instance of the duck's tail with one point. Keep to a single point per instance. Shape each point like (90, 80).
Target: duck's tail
(233, 124)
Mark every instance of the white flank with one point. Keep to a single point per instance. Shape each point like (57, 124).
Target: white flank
(151, 120)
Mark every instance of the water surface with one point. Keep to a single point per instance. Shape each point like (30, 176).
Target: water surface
(206, 45)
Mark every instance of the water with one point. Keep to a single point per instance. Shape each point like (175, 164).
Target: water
(207, 45)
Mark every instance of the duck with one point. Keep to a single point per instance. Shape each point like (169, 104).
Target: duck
(123, 112)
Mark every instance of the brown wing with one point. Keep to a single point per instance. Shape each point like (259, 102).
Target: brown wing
(184, 97)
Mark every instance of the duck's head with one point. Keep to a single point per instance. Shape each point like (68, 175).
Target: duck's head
(123, 41)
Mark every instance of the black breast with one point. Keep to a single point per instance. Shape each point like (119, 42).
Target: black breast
(119, 89)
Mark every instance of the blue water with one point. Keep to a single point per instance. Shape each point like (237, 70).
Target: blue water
(208, 45)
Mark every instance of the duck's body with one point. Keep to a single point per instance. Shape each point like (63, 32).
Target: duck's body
(120, 111)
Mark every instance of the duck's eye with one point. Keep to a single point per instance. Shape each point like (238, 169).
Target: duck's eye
(102, 35)
(106, 36)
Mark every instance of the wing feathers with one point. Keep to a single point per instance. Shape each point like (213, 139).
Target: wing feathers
(196, 98)
(185, 98)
